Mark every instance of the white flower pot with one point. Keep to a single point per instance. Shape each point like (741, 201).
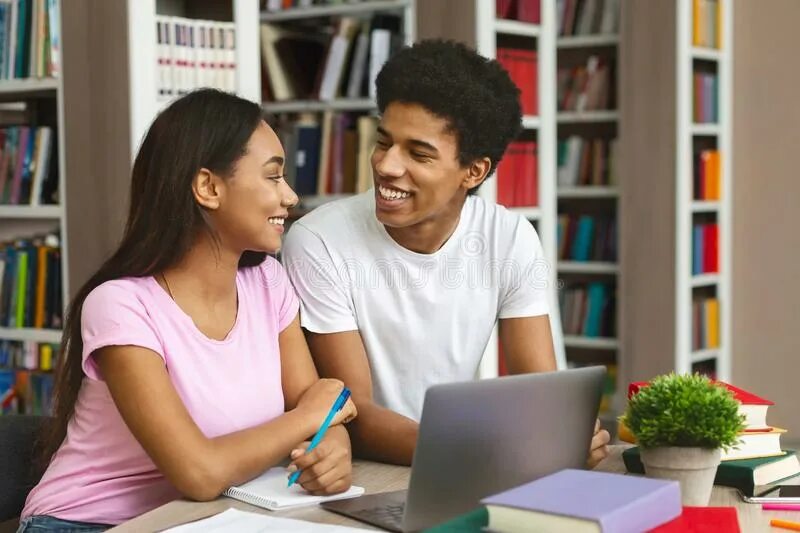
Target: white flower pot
(693, 468)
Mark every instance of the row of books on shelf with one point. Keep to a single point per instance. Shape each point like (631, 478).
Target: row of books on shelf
(707, 175)
(755, 461)
(28, 166)
(705, 323)
(517, 175)
(587, 87)
(587, 17)
(324, 64)
(31, 283)
(30, 43)
(28, 355)
(588, 309)
(705, 248)
(705, 87)
(587, 238)
(707, 23)
(194, 53)
(26, 392)
(523, 67)
(584, 162)
(521, 10)
(329, 154)
(280, 5)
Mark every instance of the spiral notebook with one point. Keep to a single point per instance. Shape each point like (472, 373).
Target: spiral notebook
(269, 491)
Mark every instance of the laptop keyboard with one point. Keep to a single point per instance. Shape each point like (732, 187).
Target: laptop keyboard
(385, 514)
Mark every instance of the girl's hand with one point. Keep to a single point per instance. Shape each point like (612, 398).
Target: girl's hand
(328, 468)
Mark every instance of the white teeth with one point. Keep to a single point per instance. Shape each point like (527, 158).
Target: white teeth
(391, 194)
(276, 220)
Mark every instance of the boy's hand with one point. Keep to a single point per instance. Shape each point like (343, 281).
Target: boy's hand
(599, 447)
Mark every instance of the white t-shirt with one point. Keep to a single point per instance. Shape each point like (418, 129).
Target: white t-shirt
(424, 318)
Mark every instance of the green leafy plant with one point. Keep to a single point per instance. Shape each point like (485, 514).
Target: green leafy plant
(684, 410)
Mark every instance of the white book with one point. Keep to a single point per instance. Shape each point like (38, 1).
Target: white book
(230, 54)
(191, 54)
(12, 40)
(54, 29)
(219, 55)
(269, 491)
(381, 43)
(610, 20)
(44, 136)
(359, 64)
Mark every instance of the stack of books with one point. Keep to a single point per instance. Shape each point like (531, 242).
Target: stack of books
(756, 460)
(597, 502)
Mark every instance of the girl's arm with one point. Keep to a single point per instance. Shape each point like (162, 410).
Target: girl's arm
(200, 467)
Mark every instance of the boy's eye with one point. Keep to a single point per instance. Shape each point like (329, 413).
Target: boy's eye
(276, 177)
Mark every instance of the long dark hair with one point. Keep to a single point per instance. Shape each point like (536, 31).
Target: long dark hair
(204, 129)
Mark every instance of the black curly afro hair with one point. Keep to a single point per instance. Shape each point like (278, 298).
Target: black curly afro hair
(474, 94)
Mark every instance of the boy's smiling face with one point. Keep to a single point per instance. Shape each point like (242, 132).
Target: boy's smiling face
(417, 173)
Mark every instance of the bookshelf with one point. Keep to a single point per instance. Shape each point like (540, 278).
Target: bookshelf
(589, 188)
(33, 101)
(143, 84)
(673, 193)
(317, 102)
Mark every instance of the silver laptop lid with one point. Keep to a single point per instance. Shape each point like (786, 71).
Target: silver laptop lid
(482, 437)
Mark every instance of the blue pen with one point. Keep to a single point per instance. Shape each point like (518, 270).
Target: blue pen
(337, 406)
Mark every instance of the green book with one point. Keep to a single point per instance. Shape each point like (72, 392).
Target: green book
(743, 474)
(22, 287)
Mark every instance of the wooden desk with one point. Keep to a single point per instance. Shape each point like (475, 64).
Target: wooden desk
(375, 477)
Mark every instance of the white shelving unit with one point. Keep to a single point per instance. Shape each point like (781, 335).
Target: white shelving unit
(544, 214)
(580, 200)
(588, 267)
(686, 207)
(23, 221)
(335, 10)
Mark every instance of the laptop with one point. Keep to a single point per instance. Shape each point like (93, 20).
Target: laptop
(483, 437)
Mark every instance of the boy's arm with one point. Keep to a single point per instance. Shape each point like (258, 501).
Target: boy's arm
(527, 344)
(378, 433)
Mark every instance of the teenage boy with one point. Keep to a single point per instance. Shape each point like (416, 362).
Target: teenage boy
(402, 286)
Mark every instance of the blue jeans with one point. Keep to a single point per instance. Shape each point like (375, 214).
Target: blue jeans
(48, 523)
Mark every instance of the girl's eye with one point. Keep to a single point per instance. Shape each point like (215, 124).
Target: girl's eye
(276, 178)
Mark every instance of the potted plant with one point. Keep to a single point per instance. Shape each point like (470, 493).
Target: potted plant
(681, 423)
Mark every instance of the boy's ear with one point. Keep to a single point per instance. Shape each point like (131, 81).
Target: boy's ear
(207, 189)
(477, 172)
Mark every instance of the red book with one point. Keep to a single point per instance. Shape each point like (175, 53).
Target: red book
(753, 407)
(506, 176)
(702, 520)
(710, 248)
(530, 189)
(529, 11)
(505, 9)
(522, 67)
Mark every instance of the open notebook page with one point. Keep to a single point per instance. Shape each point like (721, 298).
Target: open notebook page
(269, 491)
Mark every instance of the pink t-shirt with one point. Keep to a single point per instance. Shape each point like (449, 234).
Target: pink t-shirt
(101, 473)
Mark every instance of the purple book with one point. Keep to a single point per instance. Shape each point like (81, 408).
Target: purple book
(605, 502)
